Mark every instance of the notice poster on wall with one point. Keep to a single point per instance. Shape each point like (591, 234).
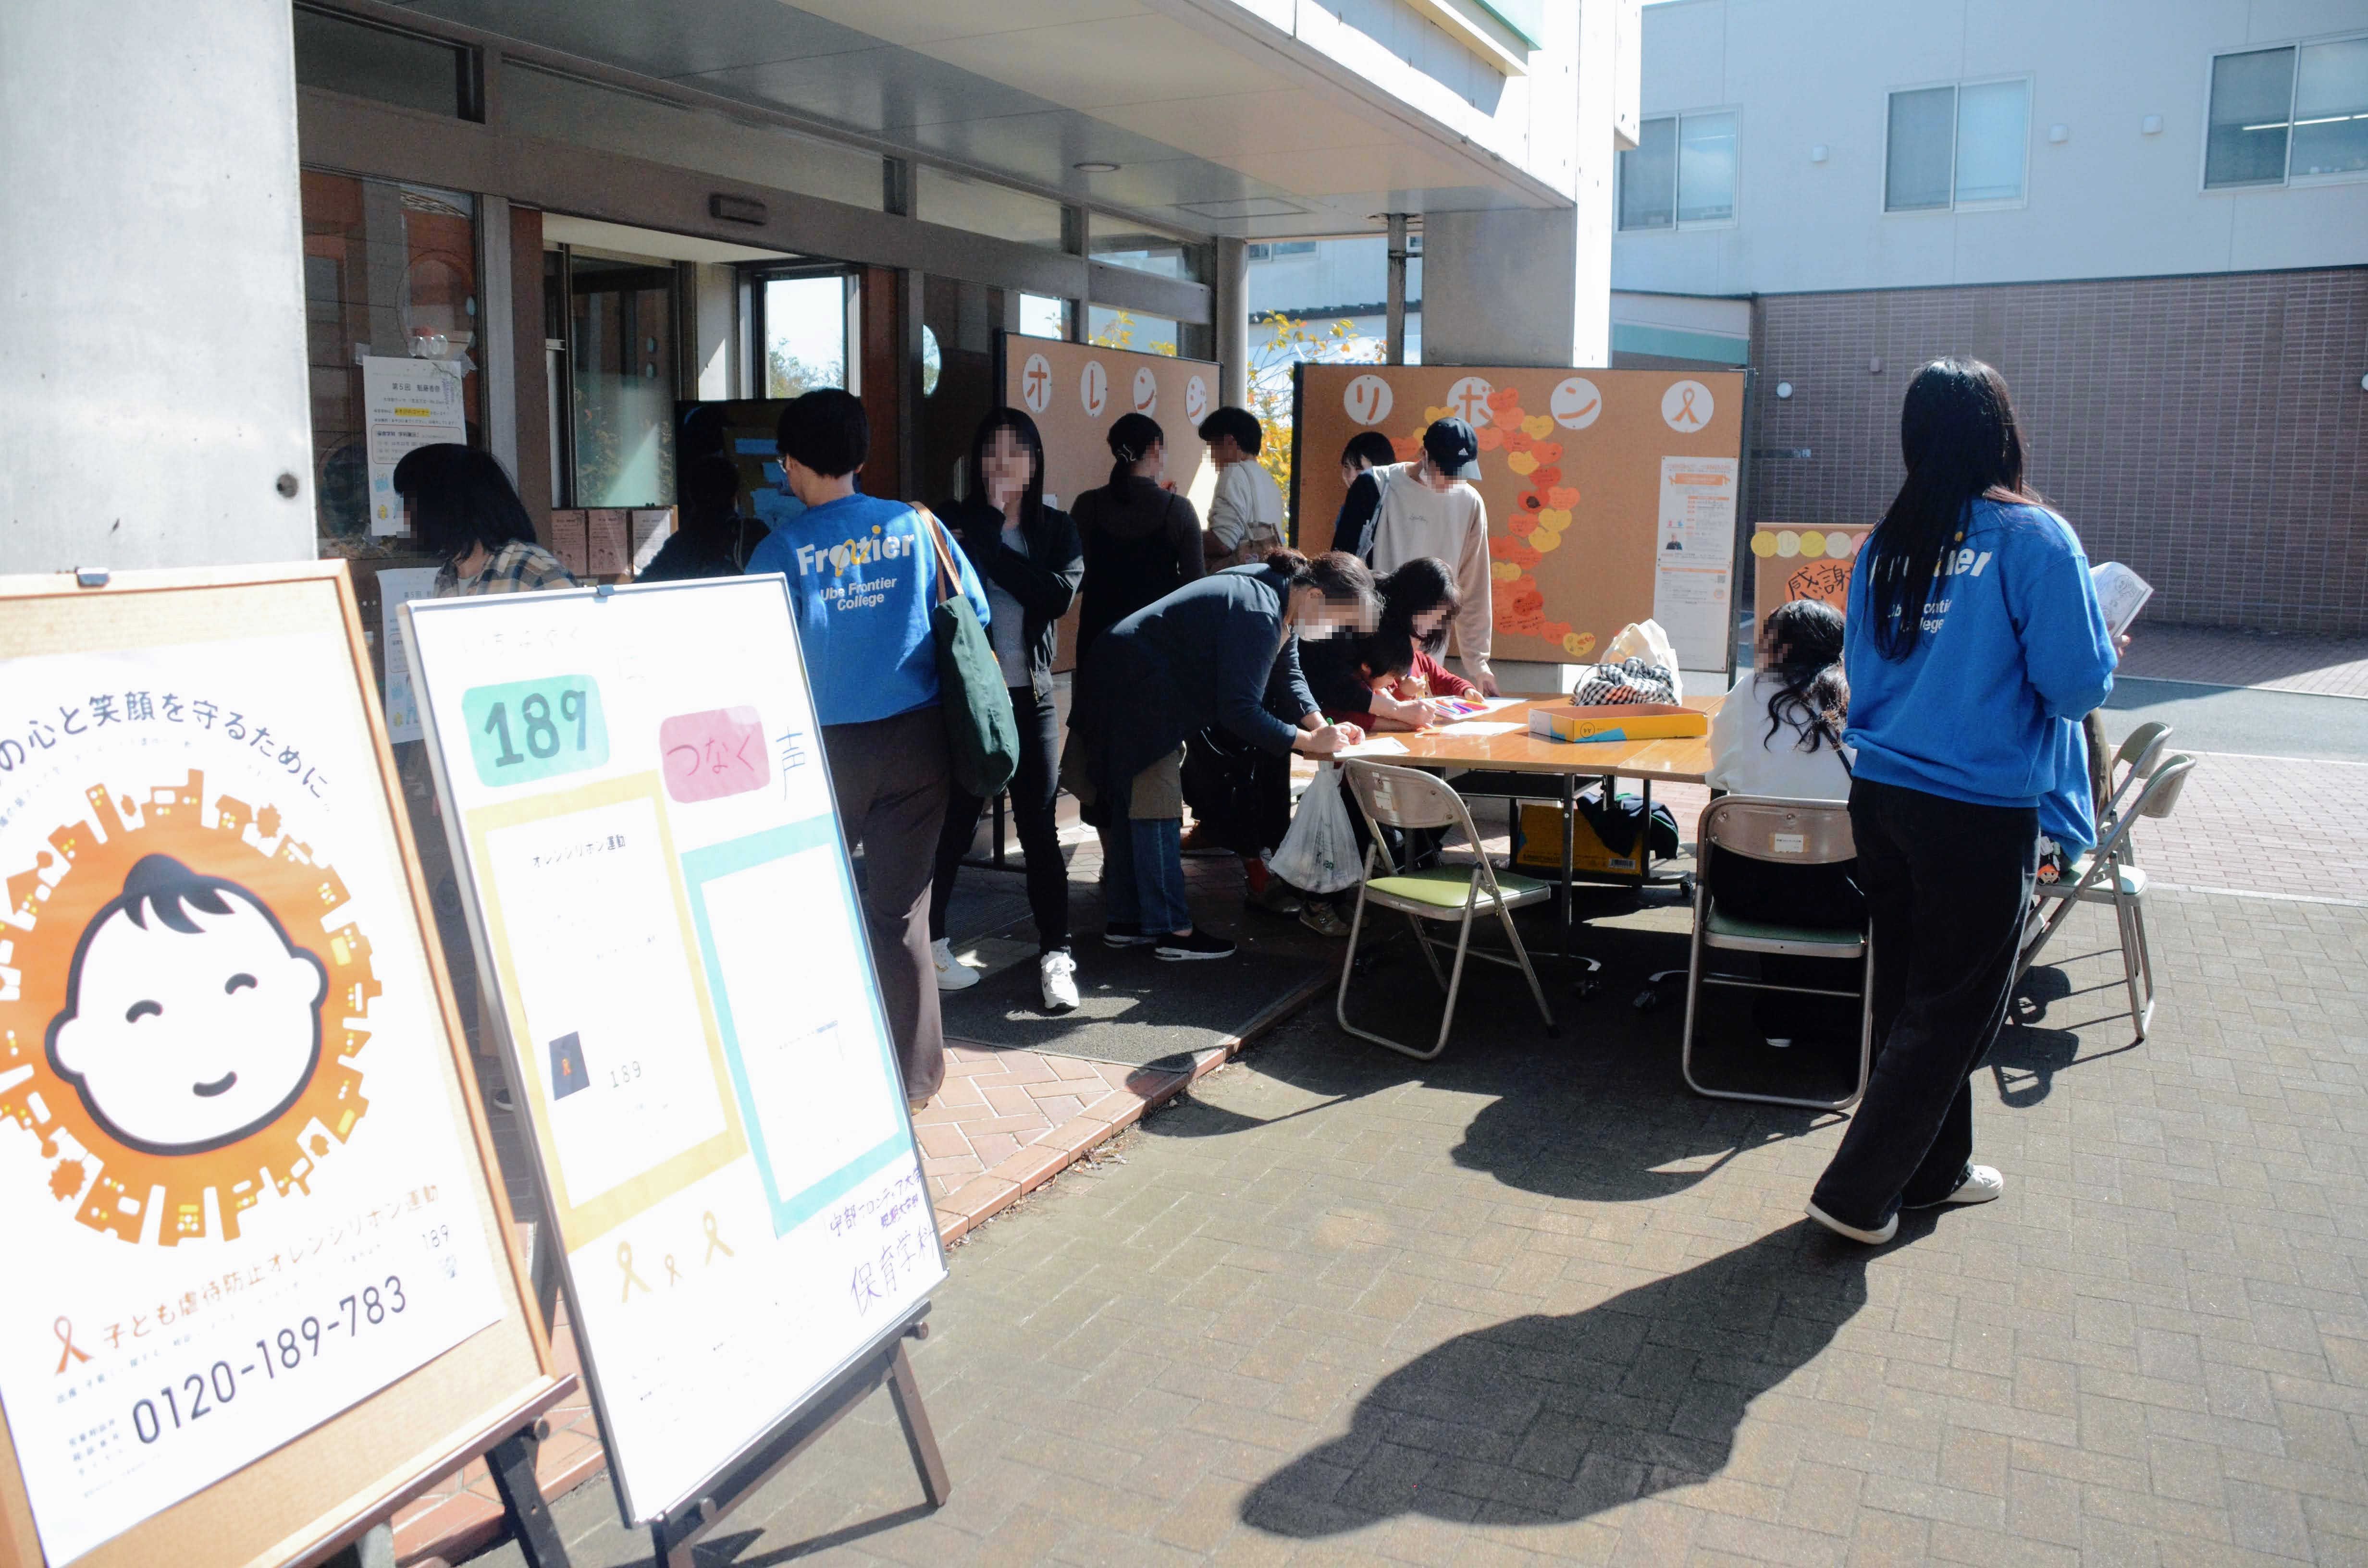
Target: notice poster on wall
(244, 1194)
(1693, 569)
(407, 405)
(1603, 490)
(664, 909)
(397, 586)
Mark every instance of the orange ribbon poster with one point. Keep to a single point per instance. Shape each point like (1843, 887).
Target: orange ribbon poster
(235, 1197)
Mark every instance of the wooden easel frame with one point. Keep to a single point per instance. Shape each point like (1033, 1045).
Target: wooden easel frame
(673, 1536)
(312, 1496)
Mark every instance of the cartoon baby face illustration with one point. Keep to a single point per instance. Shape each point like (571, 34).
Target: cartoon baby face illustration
(190, 1019)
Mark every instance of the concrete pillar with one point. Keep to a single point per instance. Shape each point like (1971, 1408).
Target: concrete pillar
(154, 409)
(716, 326)
(1233, 309)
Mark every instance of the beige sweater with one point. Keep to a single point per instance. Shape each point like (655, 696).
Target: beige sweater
(1416, 521)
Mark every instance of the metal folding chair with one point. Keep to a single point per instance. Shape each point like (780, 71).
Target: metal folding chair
(2133, 762)
(2107, 875)
(1405, 798)
(1790, 833)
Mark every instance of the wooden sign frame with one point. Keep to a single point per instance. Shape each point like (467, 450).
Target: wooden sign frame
(1576, 470)
(313, 1496)
(1077, 442)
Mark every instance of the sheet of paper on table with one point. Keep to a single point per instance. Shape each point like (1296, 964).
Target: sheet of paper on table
(1381, 745)
(1478, 727)
(1473, 707)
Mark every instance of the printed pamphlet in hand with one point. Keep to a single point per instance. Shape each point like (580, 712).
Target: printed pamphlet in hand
(2121, 594)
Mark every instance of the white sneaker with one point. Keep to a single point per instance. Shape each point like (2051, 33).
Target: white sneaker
(1780, 1043)
(1871, 1238)
(952, 973)
(1981, 1183)
(1058, 971)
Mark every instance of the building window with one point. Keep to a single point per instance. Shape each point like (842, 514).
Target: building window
(1041, 315)
(1119, 242)
(2278, 113)
(1963, 145)
(1277, 250)
(1682, 172)
(342, 55)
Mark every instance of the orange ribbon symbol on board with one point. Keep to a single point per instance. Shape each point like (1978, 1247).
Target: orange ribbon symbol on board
(1686, 406)
(72, 1352)
(715, 1242)
(625, 1262)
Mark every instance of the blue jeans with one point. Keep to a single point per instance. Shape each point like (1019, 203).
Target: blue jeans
(1143, 875)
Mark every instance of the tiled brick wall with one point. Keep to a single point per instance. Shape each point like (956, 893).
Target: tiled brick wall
(2210, 431)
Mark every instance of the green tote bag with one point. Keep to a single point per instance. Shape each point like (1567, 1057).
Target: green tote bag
(982, 732)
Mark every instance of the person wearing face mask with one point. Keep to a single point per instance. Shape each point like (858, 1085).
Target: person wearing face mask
(1029, 556)
(1208, 655)
(1430, 507)
(1142, 541)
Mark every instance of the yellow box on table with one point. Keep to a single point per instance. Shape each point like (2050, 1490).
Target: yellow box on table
(1616, 722)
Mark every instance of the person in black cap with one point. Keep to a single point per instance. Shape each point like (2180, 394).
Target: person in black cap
(1430, 507)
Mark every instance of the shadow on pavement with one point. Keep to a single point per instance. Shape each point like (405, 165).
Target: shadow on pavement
(1599, 1113)
(1548, 1418)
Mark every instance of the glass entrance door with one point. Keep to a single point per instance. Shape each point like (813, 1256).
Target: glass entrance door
(622, 370)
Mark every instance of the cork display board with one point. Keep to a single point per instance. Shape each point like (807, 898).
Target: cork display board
(264, 1286)
(1076, 392)
(1612, 495)
(1792, 561)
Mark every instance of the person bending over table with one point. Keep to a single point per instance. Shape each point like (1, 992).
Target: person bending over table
(1389, 680)
(1780, 733)
(1201, 657)
(1974, 636)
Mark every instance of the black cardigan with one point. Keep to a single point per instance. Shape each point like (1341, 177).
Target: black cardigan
(1045, 580)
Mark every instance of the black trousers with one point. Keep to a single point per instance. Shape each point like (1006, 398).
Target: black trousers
(891, 776)
(1035, 789)
(1947, 884)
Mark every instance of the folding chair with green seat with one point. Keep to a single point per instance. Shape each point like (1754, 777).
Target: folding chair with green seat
(2108, 875)
(1789, 832)
(1406, 798)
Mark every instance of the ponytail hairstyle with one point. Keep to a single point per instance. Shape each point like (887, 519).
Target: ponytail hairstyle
(1958, 435)
(1131, 436)
(1801, 647)
(1340, 576)
(1422, 584)
(1023, 430)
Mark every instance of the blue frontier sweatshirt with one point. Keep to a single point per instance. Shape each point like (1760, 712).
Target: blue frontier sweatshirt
(2013, 645)
(862, 580)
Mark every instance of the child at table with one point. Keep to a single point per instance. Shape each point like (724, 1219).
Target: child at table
(1391, 679)
(1779, 733)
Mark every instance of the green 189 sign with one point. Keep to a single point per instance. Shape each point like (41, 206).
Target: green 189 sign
(529, 729)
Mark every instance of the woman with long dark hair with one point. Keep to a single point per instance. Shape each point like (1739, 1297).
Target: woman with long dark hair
(1027, 554)
(1780, 733)
(1142, 541)
(467, 513)
(1974, 632)
(1221, 653)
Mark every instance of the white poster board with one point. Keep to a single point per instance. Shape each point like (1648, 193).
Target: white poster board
(1693, 570)
(407, 405)
(662, 906)
(241, 1191)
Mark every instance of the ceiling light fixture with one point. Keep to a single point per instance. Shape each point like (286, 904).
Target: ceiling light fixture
(1095, 166)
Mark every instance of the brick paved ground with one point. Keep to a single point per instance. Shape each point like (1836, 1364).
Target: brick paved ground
(1534, 1303)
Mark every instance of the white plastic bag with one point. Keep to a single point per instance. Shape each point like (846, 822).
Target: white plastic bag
(1319, 854)
(1644, 640)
